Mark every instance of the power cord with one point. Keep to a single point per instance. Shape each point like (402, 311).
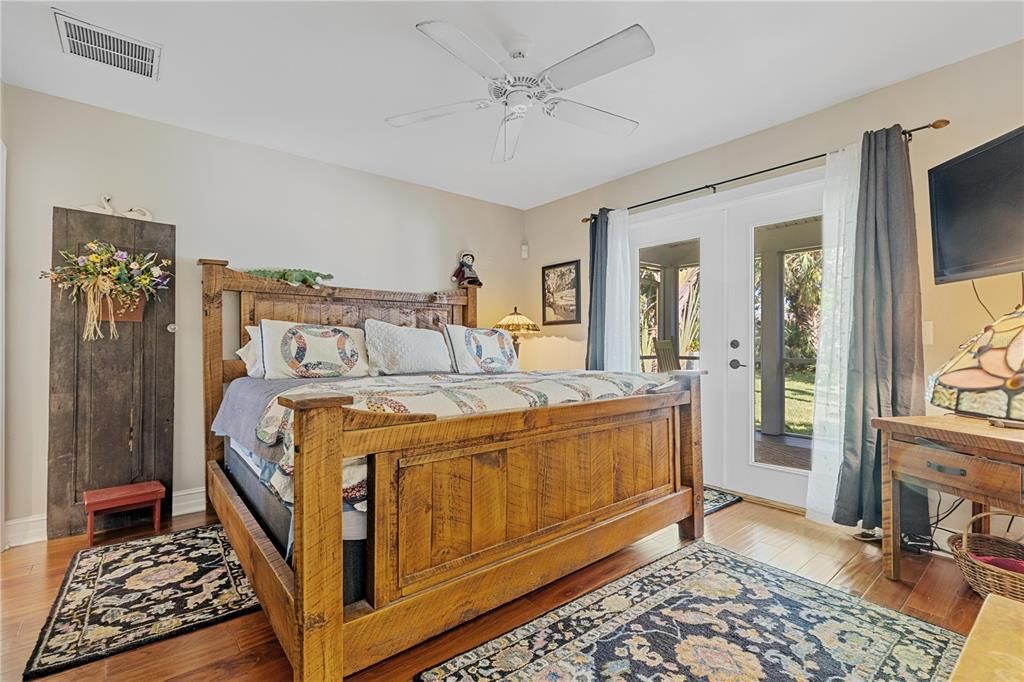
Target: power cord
(978, 296)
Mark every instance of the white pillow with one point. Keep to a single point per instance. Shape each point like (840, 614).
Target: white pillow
(481, 351)
(405, 350)
(252, 353)
(292, 350)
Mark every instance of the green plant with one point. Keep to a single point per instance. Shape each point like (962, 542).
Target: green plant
(650, 290)
(802, 283)
(689, 310)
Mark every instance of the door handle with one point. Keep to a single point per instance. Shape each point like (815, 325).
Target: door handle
(736, 364)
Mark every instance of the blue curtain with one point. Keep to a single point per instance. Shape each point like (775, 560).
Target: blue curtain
(598, 279)
(886, 362)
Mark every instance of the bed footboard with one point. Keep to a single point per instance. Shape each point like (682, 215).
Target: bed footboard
(472, 512)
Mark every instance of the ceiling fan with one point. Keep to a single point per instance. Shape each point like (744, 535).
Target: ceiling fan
(516, 88)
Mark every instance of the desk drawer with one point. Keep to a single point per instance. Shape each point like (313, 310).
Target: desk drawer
(965, 472)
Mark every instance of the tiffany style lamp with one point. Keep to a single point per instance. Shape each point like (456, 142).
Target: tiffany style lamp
(515, 323)
(986, 376)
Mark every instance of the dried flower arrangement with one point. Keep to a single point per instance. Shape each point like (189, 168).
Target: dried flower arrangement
(109, 277)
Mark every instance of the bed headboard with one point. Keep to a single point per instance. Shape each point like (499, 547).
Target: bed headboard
(266, 299)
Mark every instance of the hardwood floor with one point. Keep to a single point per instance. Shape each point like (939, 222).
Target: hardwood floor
(245, 648)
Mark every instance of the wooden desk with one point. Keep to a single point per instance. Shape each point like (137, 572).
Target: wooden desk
(962, 456)
(994, 651)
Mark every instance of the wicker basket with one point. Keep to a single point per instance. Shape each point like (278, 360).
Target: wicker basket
(983, 578)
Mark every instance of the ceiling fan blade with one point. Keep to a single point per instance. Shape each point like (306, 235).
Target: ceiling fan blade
(436, 112)
(614, 52)
(508, 136)
(589, 117)
(462, 48)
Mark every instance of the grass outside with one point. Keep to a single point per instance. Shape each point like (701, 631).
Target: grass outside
(799, 399)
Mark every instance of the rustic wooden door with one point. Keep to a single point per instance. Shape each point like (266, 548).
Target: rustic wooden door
(111, 400)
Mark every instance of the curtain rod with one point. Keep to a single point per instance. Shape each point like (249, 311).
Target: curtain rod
(909, 134)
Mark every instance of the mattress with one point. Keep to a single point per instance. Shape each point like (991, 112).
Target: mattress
(275, 517)
(353, 518)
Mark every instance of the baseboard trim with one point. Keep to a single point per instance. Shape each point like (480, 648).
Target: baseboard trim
(765, 502)
(25, 530)
(188, 501)
(30, 529)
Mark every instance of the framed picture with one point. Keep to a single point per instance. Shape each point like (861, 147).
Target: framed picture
(560, 289)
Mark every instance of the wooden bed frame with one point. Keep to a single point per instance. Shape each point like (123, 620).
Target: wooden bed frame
(466, 513)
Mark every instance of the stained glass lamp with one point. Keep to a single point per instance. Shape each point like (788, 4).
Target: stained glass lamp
(986, 376)
(515, 323)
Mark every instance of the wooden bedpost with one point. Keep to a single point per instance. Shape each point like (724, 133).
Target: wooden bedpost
(213, 354)
(692, 470)
(469, 314)
(213, 350)
(317, 552)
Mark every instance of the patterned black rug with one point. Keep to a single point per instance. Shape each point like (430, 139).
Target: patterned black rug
(715, 499)
(122, 596)
(704, 612)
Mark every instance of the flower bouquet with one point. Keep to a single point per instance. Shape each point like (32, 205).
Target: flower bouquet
(111, 281)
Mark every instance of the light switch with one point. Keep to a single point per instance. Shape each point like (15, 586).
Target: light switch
(927, 332)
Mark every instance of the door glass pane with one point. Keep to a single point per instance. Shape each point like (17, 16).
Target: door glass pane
(689, 313)
(650, 297)
(670, 305)
(802, 287)
(786, 310)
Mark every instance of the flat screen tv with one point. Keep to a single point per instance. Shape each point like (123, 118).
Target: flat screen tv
(977, 202)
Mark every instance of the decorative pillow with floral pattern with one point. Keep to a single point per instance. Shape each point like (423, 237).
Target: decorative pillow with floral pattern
(481, 351)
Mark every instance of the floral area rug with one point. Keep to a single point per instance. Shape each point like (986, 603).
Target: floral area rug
(715, 500)
(705, 613)
(123, 596)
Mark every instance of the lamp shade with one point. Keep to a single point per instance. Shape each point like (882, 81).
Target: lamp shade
(517, 323)
(986, 376)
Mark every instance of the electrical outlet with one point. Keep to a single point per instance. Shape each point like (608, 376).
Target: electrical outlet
(927, 332)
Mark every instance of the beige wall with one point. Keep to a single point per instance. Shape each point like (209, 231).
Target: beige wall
(982, 96)
(251, 205)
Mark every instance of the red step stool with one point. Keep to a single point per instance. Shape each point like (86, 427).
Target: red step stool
(123, 498)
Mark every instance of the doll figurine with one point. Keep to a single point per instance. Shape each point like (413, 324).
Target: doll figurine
(464, 273)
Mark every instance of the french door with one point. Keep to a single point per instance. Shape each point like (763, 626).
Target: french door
(742, 452)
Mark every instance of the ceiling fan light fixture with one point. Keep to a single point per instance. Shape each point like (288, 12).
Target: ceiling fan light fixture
(519, 102)
(516, 86)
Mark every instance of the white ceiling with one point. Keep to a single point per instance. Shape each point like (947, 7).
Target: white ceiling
(317, 79)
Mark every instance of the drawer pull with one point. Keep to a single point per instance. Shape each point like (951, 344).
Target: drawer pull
(955, 471)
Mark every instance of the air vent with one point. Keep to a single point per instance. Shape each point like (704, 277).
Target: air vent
(107, 47)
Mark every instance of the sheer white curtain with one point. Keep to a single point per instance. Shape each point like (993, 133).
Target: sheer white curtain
(839, 224)
(620, 346)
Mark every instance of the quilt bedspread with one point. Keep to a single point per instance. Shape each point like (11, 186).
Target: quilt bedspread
(450, 395)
